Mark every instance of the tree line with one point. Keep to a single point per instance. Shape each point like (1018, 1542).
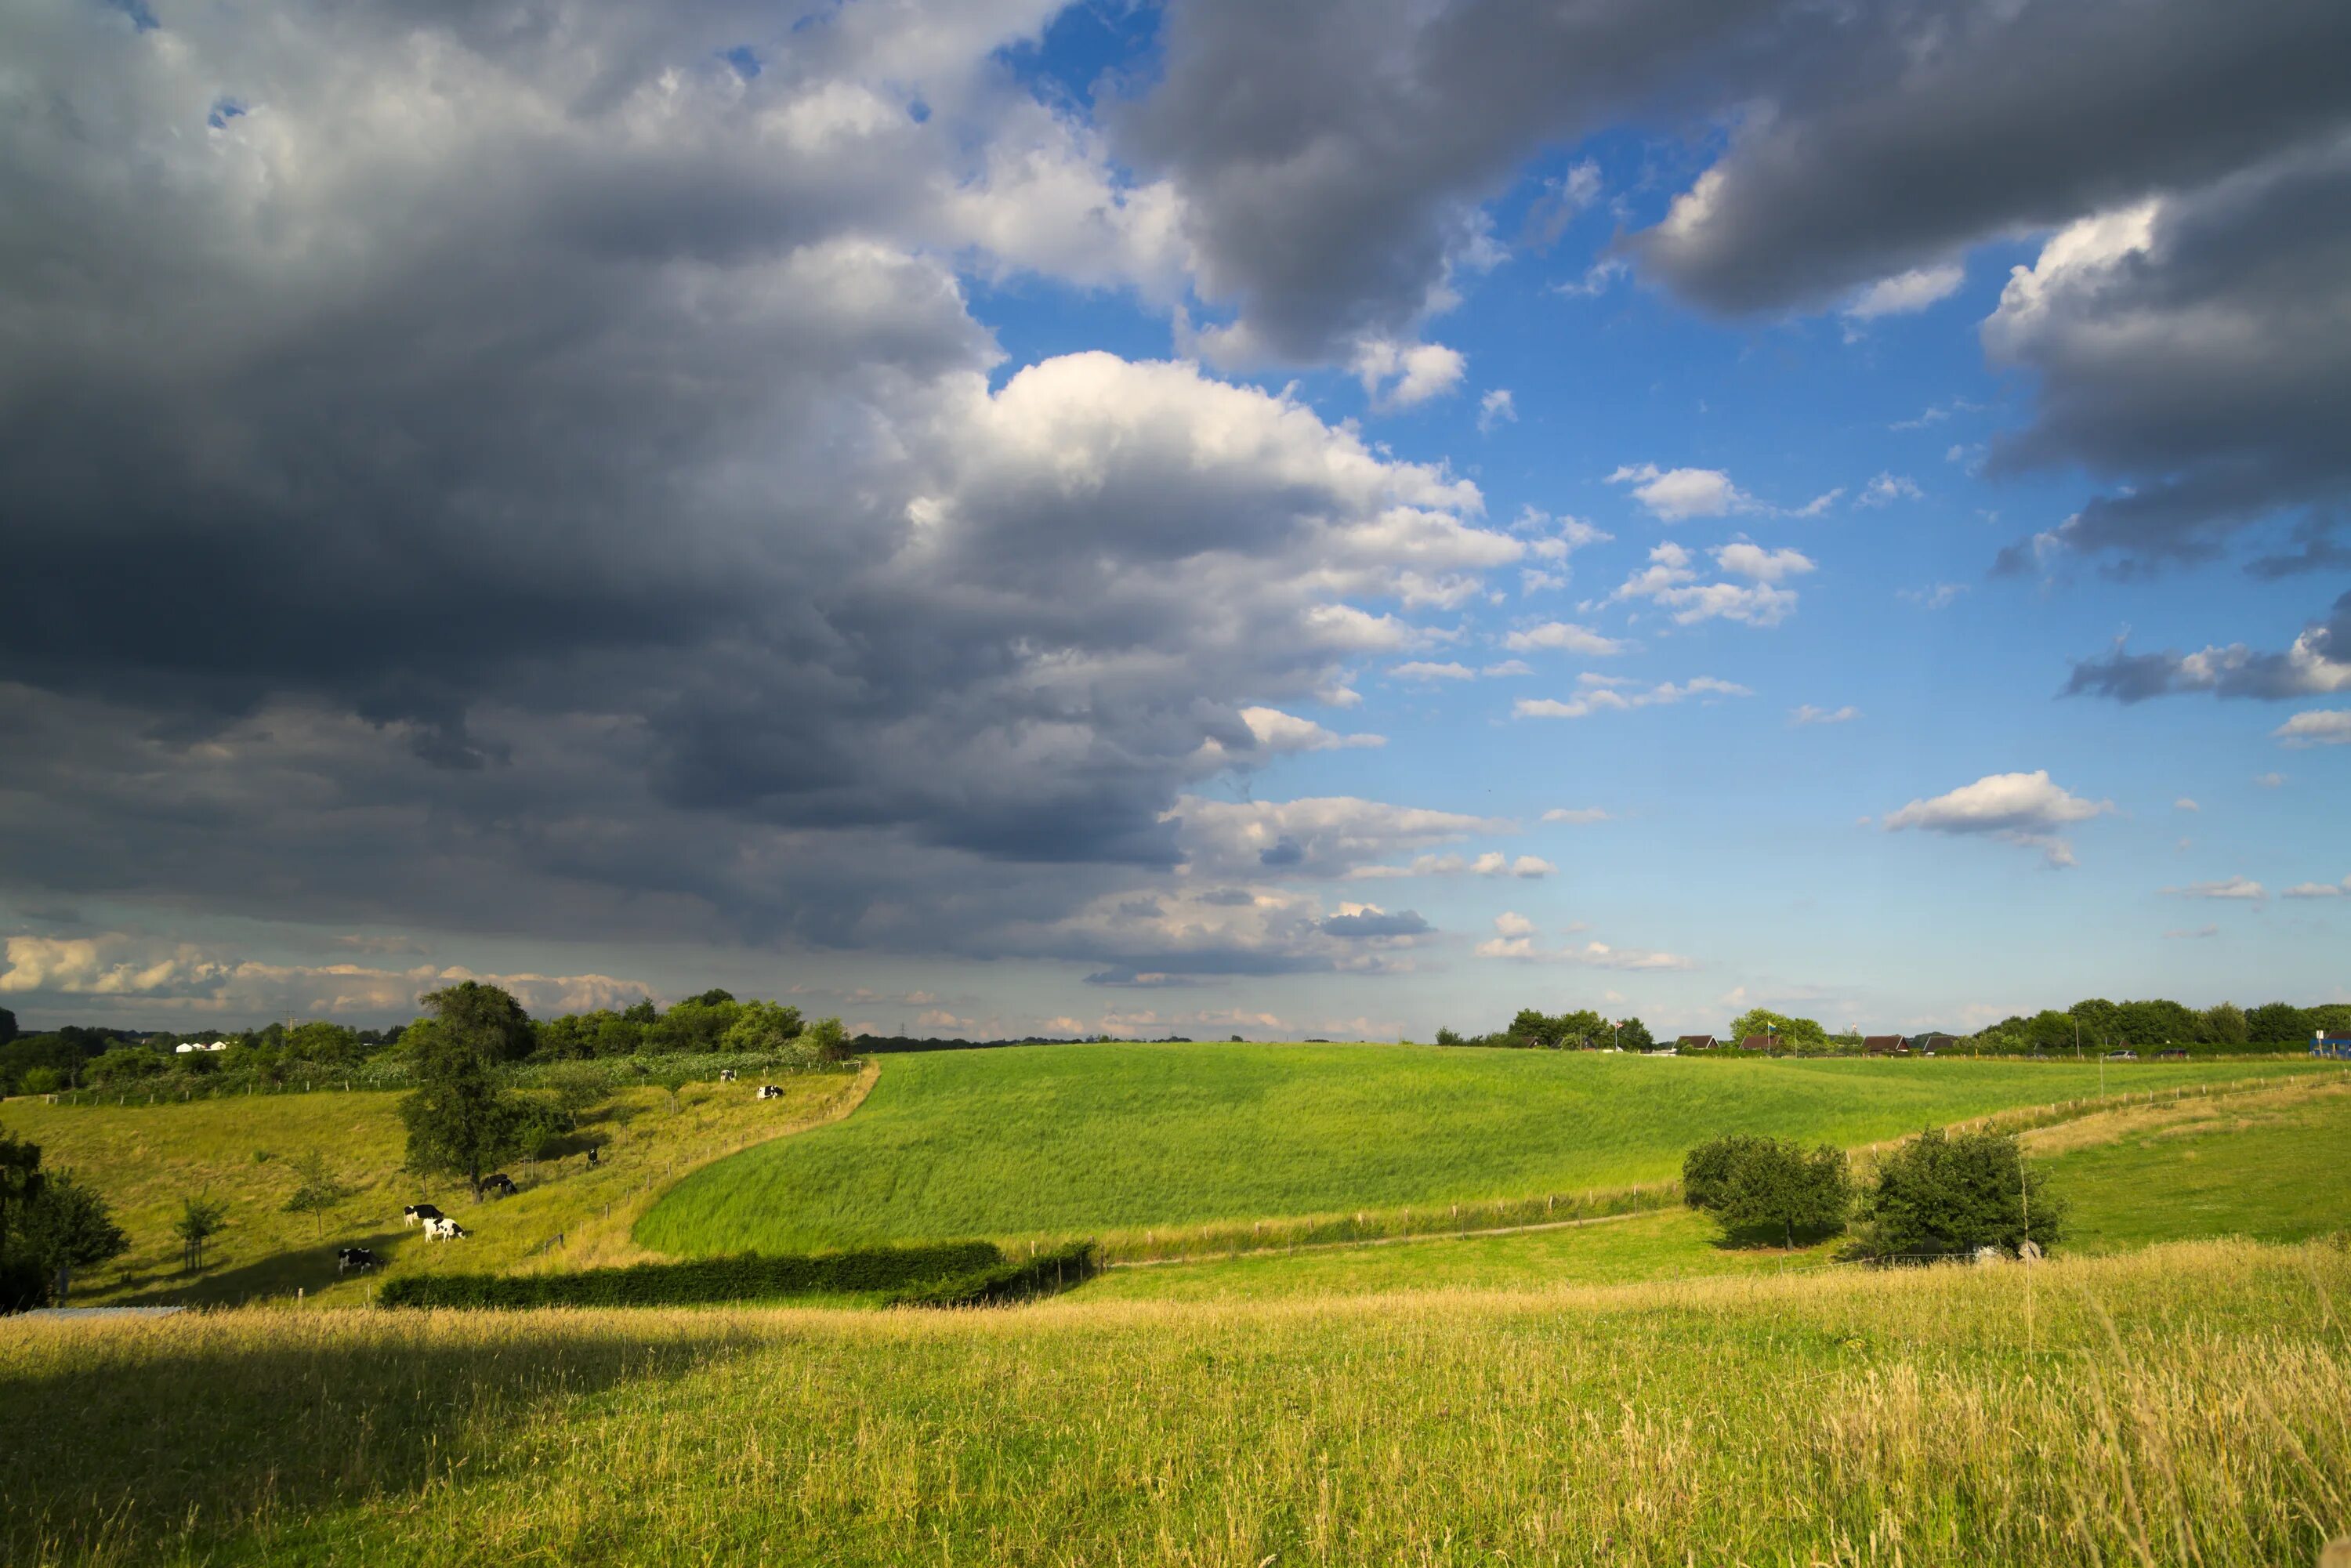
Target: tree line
(79, 1057)
(2095, 1023)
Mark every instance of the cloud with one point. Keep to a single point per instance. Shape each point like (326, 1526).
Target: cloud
(1422, 670)
(1678, 495)
(1889, 487)
(2310, 668)
(1493, 862)
(1670, 582)
(1319, 837)
(1276, 731)
(2236, 887)
(1402, 375)
(1496, 408)
(1601, 696)
(1371, 920)
(1509, 667)
(1577, 814)
(1907, 293)
(2319, 889)
(2268, 781)
(1560, 636)
(2319, 727)
(1808, 714)
(1514, 938)
(2025, 809)
(2185, 804)
(1938, 597)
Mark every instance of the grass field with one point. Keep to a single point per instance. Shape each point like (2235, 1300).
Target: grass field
(2253, 1167)
(2186, 1405)
(1109, 1140)
(146, 1159)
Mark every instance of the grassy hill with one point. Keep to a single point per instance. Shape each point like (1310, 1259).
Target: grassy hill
(1111, 1140)
(2187, 1405)
(146, 1159)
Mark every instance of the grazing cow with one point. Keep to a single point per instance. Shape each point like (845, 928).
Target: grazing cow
(593, 1159)
(501, 1183)
(445, 1230)
(419, 1213)
(726, 1075)
(769, 1092)
(350, 1258)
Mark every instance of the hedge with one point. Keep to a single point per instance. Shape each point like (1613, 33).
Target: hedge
(703, 1281)
(1011, 1281)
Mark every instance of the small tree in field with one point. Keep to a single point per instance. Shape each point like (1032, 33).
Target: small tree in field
(317, 1189)
(1750, 1183)
(66, 1227)
(461, 1120)
(828, 1040)
(202, 1218)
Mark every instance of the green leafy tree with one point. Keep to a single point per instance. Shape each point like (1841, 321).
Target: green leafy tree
(2277, 1023)
(1750, 1183)
(1444, 1036)
(763, 1026)
(123, 1065)
(2225, 1024)
(20, 1180)
(1632, 1034)
(1787, 1033)
(42, 1081)
(68, 1226)
(327, 1044)
(460, 1120)
(2101, 1020)
(316, 1189)
(2156, 1022)
(202, 1218)
(829, 1040)
(577, 1088)
(1940, 1195)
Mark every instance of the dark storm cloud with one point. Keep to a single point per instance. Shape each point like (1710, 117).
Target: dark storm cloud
(1332, 159)
(2317, 663)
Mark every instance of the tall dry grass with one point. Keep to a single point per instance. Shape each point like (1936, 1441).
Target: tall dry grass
(2190, 1405)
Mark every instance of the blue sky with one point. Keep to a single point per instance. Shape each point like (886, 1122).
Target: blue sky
(1009, 518)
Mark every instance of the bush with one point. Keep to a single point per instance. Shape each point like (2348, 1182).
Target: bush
(1042, 1275)
(705, 1281)
(1750, 1183)
(1939, 1197)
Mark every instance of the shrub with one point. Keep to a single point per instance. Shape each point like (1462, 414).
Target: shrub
(705, 1281)
(1940, 1195)
(1750, 1183)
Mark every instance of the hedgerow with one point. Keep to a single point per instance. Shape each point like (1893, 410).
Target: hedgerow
(746, 1277)
(1011, 1281)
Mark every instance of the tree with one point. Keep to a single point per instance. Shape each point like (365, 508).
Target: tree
(1750, 1183)
(578, 1089)
(2277, 1023)
(202, 1218)
(316, 1189)
(2156, 1022)
(65, 1227)
(764, 1027)
(20, 1180)
(122, 1065)
(2225, 1024)
(7, 1025)
(327, 1044)
(1634, 1035)
(1444, 1036)
(1532, 1027)
(2101, 1020)
(1789, 1033)
(829, 1040)
(459, 1120)
(1940, 1195)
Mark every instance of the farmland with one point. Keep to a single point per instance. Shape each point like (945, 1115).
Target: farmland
(1115, 1140)
(2192, 1403)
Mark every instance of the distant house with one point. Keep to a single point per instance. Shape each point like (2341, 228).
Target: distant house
(185, 1047)
(1694, 1043)
(1937, 1041)
(1756, 1042)
(1884, 1044)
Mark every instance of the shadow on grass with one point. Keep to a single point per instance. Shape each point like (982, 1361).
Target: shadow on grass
(135, 1452)
(1773, 1238)
(279, 1274)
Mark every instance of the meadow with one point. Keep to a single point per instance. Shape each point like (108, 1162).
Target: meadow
(2188, 1404)
(1127, 1143)
(146, 1159)
(2252, 1167)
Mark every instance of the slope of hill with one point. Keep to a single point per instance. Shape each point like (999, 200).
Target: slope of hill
(1108, 1140)
(146, 1159)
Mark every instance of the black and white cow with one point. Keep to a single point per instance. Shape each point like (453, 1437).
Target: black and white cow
(769, 1092)
(726, 1075)
(445, 1230)
(499, 1186)
(419, 1214)
(348, 1259)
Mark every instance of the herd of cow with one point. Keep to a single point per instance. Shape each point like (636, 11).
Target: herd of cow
(441, 1227)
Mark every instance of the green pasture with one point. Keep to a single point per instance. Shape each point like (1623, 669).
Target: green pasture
(2187, 1405)
(145, 1159)
(1102, 1139)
